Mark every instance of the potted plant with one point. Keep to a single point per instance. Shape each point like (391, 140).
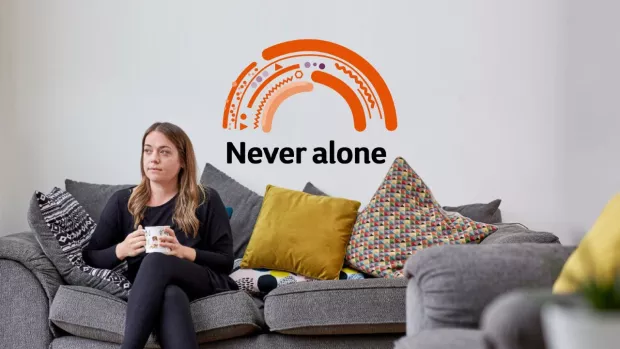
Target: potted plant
(588, 319)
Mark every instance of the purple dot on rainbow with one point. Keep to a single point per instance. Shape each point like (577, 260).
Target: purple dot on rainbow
(259, 79)
(307, 64)
(253, 85)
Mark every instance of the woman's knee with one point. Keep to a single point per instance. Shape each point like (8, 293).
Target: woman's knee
(154, 260)
(175, 295)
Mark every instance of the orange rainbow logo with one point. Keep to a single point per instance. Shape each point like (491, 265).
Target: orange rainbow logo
(293, 67)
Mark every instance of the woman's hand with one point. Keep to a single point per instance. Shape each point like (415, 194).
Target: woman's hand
(133, 245)
(176, 249)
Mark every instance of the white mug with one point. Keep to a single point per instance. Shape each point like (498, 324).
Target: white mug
(153, 235)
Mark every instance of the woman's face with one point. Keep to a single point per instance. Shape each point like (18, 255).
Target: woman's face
(161, 158)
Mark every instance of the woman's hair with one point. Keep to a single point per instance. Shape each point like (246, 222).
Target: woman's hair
(191, 192)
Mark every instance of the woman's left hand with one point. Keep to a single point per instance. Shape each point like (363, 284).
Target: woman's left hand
(171, 242)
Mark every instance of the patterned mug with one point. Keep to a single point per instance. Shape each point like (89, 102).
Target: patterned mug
(153, 235)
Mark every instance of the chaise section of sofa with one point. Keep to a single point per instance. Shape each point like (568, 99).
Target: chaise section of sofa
(29, 283)
(451, 287)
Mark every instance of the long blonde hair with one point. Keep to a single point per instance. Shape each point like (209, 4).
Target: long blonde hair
(191, 192)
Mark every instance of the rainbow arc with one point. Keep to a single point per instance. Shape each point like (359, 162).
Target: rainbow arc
(294, 67)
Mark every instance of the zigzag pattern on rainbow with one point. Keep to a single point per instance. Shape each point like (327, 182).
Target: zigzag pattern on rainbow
(267, 95)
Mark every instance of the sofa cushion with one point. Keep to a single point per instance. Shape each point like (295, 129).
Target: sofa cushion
(245, 203)
(517, 233)
(93, 197)
(91, 313)
(62, 228)
(480, 212)
(596, 258)
(301, 233)
(335, 307)
(402, 218)
(312, 189)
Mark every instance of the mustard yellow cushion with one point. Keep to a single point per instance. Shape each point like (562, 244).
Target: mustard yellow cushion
(597, 257)
(301, 233)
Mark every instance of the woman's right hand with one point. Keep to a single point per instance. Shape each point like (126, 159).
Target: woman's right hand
(133, 245)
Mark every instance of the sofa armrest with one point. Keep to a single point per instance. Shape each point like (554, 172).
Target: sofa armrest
(24, 321)
(450, 285)
(24, 249)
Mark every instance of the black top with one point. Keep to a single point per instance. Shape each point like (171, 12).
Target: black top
(213, 244)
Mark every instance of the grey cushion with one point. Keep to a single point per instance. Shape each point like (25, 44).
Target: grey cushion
(261, 341)
(245, 203)
(78, 226)
(92, 197)
(24, 307)
(485, 213)
(90, 313)
(312, 189)
(338, 307)
(24, 249)
(452, 284)
(512, 233)
(513, 321)
(444, 339)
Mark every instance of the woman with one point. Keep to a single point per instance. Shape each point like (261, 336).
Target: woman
(200, 241)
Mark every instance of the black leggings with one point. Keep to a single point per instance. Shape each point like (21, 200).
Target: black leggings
(159, 302)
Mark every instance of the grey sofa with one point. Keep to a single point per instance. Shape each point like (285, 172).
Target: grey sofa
(480, 297)
(447, 287)
(40, 310)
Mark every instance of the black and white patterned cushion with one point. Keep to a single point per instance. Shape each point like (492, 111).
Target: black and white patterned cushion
(69, 229)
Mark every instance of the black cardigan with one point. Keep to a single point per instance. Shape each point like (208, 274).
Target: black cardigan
(213, 245)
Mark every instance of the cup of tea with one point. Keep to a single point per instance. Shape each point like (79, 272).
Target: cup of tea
(153, 237)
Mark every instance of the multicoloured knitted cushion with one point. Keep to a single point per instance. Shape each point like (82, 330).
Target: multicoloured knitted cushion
(403, 217)
(258, 282)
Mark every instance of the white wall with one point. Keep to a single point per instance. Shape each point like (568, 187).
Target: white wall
(593, 111)
(478, 90)
(8, 146)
